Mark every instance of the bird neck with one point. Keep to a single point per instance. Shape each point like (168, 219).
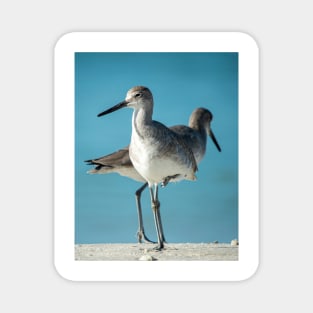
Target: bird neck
(198, 126)
(142, 118)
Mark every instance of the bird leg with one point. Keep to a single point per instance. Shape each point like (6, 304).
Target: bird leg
(157, 218)
(141, 232)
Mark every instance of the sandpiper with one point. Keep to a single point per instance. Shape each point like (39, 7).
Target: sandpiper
(119, 162)
(157, 153)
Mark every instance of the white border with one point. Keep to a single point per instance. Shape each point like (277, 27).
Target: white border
(248, 261)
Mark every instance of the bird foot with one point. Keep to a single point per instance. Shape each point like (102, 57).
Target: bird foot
(141, 236)
(168, 179)
(159, 247)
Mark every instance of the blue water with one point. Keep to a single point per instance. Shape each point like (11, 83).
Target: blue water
(202, 211)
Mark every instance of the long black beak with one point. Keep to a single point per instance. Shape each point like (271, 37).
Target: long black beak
(114, 108)
(211, 134)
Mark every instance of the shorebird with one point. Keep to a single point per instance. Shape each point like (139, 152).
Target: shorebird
(157, 153)
(195, 136)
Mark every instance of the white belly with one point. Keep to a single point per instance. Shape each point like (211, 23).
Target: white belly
(156, 169)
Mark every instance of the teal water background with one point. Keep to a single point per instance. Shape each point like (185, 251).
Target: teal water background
(202, 211)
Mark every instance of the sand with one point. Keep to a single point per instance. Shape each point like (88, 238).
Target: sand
(145, 252)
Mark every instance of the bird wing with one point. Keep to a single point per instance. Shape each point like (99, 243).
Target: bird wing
(172, 136)
(117, 158)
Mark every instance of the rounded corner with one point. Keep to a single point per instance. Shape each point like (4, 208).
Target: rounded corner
(249, 39)
(60, 273)
(251, 273)
(63, 39)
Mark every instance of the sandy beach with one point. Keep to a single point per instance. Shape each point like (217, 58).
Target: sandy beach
(145, 252)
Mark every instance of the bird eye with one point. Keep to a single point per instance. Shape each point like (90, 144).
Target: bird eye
(137, 95)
